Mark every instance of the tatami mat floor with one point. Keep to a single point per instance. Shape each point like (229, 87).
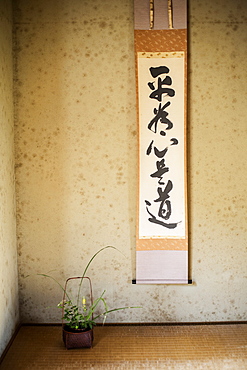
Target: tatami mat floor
(133, 347)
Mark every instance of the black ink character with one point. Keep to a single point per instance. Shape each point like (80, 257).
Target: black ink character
(157, 152)
(165, 208)
(161, 170)
(160, 115)
(157, 94)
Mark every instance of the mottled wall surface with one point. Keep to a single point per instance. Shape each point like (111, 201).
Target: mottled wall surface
(9, 308)
(76, 157)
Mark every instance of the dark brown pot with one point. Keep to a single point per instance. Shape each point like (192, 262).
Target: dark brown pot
(77, 338)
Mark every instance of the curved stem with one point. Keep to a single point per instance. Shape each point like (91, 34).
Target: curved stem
(86, 268)
(49, 276)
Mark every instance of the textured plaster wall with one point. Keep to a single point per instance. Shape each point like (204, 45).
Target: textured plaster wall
(9, 308)
(76, 158)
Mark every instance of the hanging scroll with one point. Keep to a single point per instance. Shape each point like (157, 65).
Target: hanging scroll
(161, 65)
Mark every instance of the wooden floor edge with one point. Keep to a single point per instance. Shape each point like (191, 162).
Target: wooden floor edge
(151, 323)
(18, 326)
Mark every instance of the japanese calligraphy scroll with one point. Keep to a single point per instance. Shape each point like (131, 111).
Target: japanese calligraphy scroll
(161, 71)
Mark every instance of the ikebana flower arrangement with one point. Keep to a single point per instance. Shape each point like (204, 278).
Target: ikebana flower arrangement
(78, 314)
